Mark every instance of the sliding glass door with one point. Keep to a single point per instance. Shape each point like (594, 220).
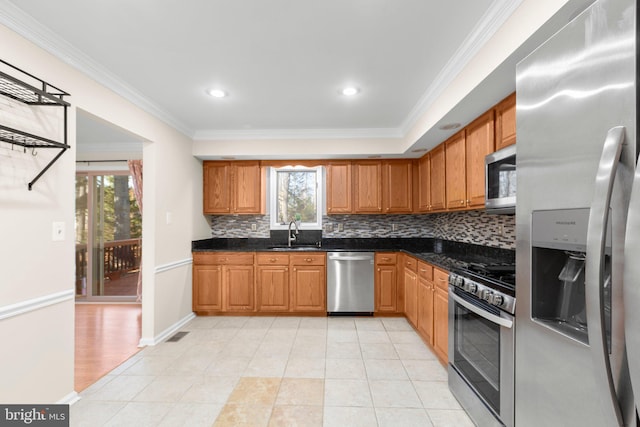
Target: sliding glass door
(108, 237)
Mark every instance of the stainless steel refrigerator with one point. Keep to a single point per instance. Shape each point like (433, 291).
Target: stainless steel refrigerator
(578, 224)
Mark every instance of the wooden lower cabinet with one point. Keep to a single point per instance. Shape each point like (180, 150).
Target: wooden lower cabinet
(441, 313)
(238, 289)
(411, 289)
(223, 281)
(207, 287)
(272, 282)
(425, 301)
(308, 282)
(385, 282)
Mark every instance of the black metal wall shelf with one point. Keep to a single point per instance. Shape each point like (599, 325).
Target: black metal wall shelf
(28, 89)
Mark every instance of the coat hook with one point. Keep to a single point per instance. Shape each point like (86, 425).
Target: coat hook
(34, 152)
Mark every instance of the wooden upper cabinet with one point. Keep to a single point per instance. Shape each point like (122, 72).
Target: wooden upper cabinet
(247, 183)
(480, 142)
(217, 187)
(339, 199)
(437, 184)
(233, 187)
(456, 181)
(506, 122)
(424, 184)
(397, 181)
(368, 186)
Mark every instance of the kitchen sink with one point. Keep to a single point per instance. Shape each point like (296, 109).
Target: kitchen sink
(294, 248)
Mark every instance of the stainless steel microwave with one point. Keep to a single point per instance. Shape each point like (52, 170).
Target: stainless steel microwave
(500, 181)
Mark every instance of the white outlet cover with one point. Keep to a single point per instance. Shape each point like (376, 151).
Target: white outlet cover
(58, 231)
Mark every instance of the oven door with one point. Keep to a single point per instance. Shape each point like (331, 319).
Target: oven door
(481, 368)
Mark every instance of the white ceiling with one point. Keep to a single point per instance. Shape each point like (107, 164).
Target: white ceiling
(283, 62)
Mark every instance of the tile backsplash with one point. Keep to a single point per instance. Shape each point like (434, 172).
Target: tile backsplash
(475, 227)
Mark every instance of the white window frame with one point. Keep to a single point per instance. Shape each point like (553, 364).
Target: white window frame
(320, 195)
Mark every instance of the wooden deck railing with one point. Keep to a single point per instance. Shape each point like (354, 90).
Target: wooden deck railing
(120, 256)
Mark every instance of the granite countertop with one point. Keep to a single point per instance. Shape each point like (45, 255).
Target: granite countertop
(442, 253)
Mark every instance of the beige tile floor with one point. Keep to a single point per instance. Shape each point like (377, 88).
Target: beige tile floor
(278, 371)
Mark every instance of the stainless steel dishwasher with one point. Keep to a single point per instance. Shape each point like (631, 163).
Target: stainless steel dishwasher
(350, 283)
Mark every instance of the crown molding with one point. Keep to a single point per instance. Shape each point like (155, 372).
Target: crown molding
(492, 20)
(270, 134)
(22, 23)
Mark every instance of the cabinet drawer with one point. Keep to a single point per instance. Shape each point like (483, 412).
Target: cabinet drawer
(308, 258)
(411, 263)
(441, 279)
(272, 259)
(386, 259)
(425, 271)
(223, 258)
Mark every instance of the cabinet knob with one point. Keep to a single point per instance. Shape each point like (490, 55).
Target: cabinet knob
(295, 269)
(468, 201)
(272, 260)
(378, 269)
(423, 270)
(462, 202)
(286, 269)
(308, 259)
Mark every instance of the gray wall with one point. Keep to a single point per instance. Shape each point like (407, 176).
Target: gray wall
(475, 227)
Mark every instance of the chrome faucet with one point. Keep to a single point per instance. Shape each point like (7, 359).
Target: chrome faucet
(291, 236)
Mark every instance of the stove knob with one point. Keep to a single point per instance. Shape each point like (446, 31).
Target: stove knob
(460, 282)
(453, 278)
(486, 295)
(473, 288)
(498, 300)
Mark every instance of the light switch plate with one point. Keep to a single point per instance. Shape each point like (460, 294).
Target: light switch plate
(58, 231)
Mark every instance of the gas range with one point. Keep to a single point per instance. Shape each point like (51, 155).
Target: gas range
(492, 283)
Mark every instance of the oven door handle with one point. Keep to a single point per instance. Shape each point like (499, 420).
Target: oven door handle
(507, 323)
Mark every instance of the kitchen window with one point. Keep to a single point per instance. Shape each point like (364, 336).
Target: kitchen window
(296, 194)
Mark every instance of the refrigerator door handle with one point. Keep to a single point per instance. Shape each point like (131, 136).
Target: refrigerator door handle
(594, 280)
(631, 286)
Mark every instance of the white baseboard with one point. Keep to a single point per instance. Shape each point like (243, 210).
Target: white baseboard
(69, 399)
(167, 332)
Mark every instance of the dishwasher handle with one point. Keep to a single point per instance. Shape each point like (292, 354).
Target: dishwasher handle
(351, 258)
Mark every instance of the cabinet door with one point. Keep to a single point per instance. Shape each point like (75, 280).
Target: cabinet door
(216, 187)
(368, 187)
(455, 171)
(207, 287)
(437, 185)
(411, 295)
(441, 323)
(425, 310)
(247, 185)
(480, 142)
(273, 288)
(397, 181)
(506, 122)
(339, 188)
(424, 183)
(239, 288)
(308, 288)
(385, 283)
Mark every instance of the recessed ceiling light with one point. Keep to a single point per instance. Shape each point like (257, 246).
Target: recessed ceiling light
(350, 91)
(217, 93)
(450, 126)
(419, 150)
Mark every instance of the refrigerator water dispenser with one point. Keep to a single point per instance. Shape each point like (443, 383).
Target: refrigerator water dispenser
(558, 273)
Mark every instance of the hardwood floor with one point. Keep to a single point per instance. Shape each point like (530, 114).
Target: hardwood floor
(106, 335)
